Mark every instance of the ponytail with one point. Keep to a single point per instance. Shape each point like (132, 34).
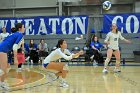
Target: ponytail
(13, 30)
(18, 25)
(60, 42)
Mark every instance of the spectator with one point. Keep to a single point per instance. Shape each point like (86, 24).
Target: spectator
(3, 35)
(95, 47)
(33, 52)
(43, 49)
(21, 59)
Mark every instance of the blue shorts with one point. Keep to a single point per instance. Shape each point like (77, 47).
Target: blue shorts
(3, 49)
(45, 65)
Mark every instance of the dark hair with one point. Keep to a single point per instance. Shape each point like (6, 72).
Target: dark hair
(19, 50)
(13, 30)
(60, 42)
(41, 40)
(94, 38)
(2, 29)
(31, 45)
(18, 25)
(117, 30)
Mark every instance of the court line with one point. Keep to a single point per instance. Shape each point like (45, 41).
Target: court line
(101, 65)
(39, 71)
(29, 83)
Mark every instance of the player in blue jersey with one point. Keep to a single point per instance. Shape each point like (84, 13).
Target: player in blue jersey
(13, 41)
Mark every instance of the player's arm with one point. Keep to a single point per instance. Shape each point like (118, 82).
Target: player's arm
(77, 54)
(23, 46)
(122, 38)
(69, 57)
(74, 55)
(15, 56)
(68, 52)
(64, 55)
(106, 41)
(16, 46)
(127, 41)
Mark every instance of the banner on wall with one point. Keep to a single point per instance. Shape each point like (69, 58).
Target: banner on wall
(127, 23)
(49, 25)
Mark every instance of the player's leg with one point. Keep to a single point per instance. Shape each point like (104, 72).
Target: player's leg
(8, 67)
(117, 56)
(9, 61)
(3, 70)
(60, 67)
(109, 55)
(62, 71)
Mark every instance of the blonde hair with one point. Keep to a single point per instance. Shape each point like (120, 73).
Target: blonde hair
(116, 27)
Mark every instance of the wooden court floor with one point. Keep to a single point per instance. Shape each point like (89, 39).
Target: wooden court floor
(82, 79)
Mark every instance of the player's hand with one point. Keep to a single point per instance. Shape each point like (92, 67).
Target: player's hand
(81, 52)
(78, 54)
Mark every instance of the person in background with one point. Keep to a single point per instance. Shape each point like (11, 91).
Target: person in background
(20, 58)
(3, 35)
(96, 46)
(33, 52)
(43, 49)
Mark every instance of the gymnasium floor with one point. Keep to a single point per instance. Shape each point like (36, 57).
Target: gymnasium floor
(82, 79)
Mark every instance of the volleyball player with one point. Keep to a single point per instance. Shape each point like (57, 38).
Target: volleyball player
(3, 35)
(112, 41)
(13, 41)
(60, 52)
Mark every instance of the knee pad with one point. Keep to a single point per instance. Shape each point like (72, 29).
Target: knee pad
(107, 61)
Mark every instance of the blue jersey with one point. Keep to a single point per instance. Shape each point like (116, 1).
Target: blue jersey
(9, 41)
(97, 45)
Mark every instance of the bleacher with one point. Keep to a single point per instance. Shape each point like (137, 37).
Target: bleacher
(52, 40)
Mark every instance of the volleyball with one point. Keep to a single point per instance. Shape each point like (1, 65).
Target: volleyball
(106, 5)
(81, 36)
